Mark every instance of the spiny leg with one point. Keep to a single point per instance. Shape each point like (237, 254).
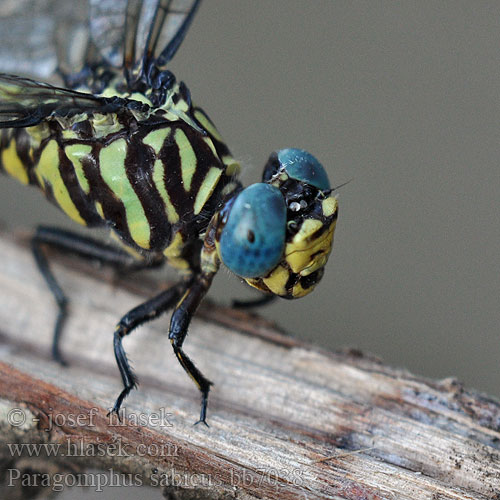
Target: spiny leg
(88, 248)
(179, 323)
(141, 314)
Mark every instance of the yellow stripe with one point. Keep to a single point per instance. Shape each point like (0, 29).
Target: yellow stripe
(13, 165)
(75, 154)
(69, 134)
(207, 125)
(156, 138)
(99, 209)
(187, 157)
(210, 144)
(112, 165)
(232, 166)
(47, 171)
(207, 188)
(137, 96)
(173, 253)
(131, 251)
(159, 180)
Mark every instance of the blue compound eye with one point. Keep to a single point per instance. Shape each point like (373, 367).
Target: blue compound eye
(253, 239)
(303, 166)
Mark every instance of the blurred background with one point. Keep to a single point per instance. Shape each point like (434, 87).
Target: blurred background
(401, 97)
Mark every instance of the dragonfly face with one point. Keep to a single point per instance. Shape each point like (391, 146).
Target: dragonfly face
(120, 144)
(277, 235)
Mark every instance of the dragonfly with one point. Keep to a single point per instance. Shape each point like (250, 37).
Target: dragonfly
(119, 143)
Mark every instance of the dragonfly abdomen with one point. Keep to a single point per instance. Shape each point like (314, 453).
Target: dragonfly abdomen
(35, 156)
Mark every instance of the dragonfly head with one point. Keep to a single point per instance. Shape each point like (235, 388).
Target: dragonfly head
(277, 234)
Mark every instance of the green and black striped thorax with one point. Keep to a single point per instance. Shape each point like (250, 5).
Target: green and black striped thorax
(153, 173)
(122, 145)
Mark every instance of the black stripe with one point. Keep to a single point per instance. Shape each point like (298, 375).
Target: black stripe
(169, 155)
(79, 198)
(220, 147)
(139, 164)
(112, 207)
(23, 146)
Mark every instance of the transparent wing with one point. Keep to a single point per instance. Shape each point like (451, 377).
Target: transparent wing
(124, 31)
(34, 34)
(37, 37)
(25, 103)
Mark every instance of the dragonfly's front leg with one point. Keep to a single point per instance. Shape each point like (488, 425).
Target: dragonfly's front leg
(141, 314)
(178, 330)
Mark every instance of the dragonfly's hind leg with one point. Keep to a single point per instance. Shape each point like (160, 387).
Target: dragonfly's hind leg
(88, 248)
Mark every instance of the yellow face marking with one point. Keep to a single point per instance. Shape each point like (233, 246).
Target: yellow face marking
(47, 171)
(306, 254)
(112, 163)
(329, 206)
(13, 165)
(298, 291)
(277, 280)
(173, 252)
(75, 154)
(208, 125)
(187, 157)
(207, 188)
(159, 180)
(156, 138)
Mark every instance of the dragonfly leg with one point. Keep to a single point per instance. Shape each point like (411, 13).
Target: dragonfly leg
(141, 314)
(179, 323)
(85, 247)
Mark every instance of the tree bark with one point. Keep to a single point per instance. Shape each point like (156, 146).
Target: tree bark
(287, 420)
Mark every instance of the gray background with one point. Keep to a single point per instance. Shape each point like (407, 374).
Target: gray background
(401, 97)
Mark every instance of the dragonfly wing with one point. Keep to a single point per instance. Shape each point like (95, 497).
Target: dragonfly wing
(38, 32)
(24, 102)
(47, 35)
(127, 32)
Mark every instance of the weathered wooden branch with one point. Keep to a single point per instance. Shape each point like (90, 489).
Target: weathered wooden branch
(286, 420)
